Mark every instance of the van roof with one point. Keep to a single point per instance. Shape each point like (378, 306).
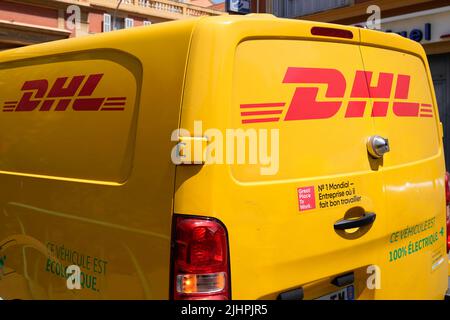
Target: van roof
(364, 36)
(246, 26)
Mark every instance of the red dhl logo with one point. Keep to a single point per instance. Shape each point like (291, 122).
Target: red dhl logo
(304, 104)
(76, 93)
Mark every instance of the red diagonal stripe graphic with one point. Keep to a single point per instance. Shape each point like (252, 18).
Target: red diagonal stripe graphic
(257, 113)
(262, 105)
(113, 109)
(114, 104)
(260, 120)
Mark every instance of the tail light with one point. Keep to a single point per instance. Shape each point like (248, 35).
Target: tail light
(448, 231)
(447, 188)
(331, 32)
(447, 198)
(200, 266)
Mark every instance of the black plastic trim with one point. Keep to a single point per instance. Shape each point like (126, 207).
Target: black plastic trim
(344, 280)
(296, 294)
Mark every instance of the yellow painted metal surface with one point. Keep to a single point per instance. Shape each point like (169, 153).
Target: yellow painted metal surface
(98, 187)
(91, 187)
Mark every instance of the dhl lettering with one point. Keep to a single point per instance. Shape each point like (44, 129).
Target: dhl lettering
(305, 105)
(307, 96)
(64, 92)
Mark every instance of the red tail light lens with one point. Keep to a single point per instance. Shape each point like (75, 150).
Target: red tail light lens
(200, 268)
(447, 199)
(447, 188)
(331, 32)
(448, 233)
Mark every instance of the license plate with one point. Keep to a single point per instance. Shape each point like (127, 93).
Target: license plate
(347, 293)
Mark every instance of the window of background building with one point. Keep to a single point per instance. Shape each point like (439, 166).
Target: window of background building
(296, 8)
(120, 23)
(107, 22)
(129, 23)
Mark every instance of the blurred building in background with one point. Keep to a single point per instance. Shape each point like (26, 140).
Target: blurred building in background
(33, 21)
(428, 19)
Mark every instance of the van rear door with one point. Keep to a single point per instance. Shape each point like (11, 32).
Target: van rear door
(295, 223)
(405, 112)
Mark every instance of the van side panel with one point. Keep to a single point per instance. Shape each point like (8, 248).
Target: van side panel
(53, 109)
(91, 183)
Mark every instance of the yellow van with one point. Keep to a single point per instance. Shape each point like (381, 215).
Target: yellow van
(233, 157)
